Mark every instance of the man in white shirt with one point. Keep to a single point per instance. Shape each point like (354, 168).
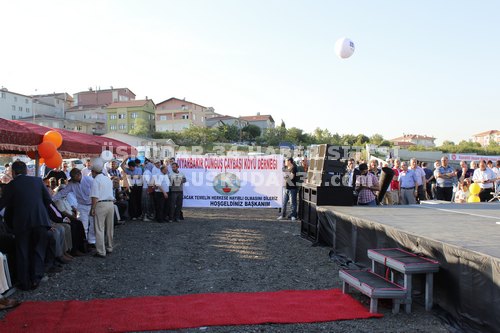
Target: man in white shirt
(161, 185)
(485, 177)
(421, 181)
(102, 210)
(87, 171)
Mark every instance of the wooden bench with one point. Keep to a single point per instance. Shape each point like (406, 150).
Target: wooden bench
(373, 286)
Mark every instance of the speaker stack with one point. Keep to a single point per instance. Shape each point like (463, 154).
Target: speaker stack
(325, 185)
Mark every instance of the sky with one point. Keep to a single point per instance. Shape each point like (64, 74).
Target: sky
(421, 67)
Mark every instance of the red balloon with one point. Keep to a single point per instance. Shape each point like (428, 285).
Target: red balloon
(55, 161)
(47, 149)
(54, 137)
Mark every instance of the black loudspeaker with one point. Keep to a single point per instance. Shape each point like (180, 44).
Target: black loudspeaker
(328, 195)
(385, 180)
(332, 152)
(325, 178)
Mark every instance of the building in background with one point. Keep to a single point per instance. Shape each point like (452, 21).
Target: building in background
(226, 120)
(95, 114)
(52, 105)
(264, 122)
(91, 106)
(484, 138)
(64, 123)
(14, 106)
(123, 117)
(414, 139)
(147, 148)
(102, 97)
(176, 114)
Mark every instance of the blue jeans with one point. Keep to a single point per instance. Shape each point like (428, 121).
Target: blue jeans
(290, 193)
(372, 203)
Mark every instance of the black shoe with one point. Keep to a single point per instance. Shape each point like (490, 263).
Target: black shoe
(54, 269)
(98, 255)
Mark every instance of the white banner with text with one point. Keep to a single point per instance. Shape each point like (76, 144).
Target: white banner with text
(232, 181)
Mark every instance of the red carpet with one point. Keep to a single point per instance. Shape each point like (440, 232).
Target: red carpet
(177, 312)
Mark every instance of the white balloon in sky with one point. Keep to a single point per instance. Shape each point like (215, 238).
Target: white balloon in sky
(344, 48)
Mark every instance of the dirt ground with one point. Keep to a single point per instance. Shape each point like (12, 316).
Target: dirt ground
(218, 250)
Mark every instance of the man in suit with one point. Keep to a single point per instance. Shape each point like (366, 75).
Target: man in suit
(26, 201)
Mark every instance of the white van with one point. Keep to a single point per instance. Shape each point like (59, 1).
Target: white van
(74, 163)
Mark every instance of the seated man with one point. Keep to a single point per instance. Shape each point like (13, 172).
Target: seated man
(64, 211)
(121, 200)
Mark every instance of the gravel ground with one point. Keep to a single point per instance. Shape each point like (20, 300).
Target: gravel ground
(218, 250)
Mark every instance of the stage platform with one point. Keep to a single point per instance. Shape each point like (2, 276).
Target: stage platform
(464, 238)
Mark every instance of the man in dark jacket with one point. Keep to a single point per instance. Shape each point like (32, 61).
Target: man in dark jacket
(26, 199)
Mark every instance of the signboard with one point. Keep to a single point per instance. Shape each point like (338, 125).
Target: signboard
(465, 157)
(232, 181)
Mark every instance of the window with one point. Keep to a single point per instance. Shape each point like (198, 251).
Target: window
(78, 128)
(13, 117)
(133, 115)
(112, 127)
(13, 108)
(194, 117)
(112, 116)
(122, 116)
(27, 110)
(132, 126)
(26, 101)
(20, 108)
(152, 117)
(185, 116)
(122, 126)
(15, 99)
(3, 95)
(163, 117)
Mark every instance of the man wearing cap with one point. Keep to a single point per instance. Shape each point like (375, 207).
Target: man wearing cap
(102, 209)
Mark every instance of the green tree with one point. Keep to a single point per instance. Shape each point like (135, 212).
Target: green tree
(321, 136)
(385, 143)
(295, 135)
(348, 139)
(376, 139)
(361, 139)
(273, 136)
(141, 127)
(228, 133)
(250, 132)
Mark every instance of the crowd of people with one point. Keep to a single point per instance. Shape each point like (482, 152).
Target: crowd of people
(47, 221)
(414, 181)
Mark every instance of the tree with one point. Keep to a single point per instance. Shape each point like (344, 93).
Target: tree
(141, 127)
(295, 135)
(376, 139)
(273, 136)
(282, 124)
(250, 132)
(228, 133)
(361, 139)
(321, 135)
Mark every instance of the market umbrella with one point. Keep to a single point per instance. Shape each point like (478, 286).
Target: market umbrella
(77, 144)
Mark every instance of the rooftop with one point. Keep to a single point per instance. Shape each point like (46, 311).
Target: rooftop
(130, 104)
